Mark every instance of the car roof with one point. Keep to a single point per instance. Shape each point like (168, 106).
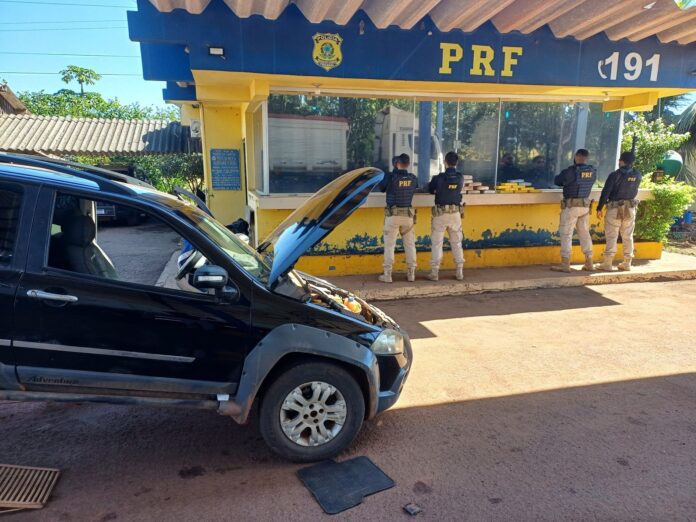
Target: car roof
(40, 175)
(60, 172)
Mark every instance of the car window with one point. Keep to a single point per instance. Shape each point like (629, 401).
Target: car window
(245, 256)
(118, 242)
(10, 201)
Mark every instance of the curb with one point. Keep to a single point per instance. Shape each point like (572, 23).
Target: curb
(429, 289)
(166, 278)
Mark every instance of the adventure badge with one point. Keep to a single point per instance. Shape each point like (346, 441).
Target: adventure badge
(327, 50)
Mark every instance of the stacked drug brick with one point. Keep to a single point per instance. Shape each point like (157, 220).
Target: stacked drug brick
(516, 186)
(475, 187)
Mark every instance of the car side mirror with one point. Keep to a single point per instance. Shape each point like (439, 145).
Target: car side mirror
(210, 277)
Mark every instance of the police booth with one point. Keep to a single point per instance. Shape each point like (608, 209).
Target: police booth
(287, 96)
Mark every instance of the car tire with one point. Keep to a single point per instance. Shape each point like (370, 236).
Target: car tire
(306, 378)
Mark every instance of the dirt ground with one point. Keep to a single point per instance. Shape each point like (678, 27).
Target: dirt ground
(683, 241)
(564, 404)
(681, 247)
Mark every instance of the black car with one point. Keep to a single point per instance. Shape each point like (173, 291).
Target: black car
(248, 329)
(108, 212)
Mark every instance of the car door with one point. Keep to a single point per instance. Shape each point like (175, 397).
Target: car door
(87, 331)
(16, 205)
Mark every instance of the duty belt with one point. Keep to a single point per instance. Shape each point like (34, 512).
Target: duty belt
(439, 210)
(575, 202)
(623, 202)
(400, 211)
(621, 206)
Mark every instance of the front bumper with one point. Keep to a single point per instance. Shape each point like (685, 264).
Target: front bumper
(393, 370)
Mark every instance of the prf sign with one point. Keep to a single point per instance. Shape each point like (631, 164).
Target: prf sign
(481, 59)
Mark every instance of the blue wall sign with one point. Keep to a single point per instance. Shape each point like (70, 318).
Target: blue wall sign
(174, 43)
(224, 169)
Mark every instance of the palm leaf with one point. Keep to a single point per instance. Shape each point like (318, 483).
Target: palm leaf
(687, 123)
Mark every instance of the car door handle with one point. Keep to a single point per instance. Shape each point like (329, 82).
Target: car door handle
(48, 296)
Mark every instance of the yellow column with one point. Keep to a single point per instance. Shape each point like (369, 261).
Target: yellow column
(189, 111)
(223, 127)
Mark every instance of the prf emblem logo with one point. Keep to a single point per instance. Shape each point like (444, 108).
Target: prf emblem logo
(327, 50)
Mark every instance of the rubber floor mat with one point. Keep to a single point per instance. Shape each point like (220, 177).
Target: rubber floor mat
(23, 487)
(338, 486)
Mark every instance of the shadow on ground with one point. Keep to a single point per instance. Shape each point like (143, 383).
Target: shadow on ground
(492, 304)
(615, 451)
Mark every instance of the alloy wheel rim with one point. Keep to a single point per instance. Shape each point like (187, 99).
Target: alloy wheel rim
(313, 414)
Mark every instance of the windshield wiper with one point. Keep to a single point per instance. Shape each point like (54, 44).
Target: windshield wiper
(198, 201)
(263, 246)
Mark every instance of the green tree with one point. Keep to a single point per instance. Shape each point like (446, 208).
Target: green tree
(656, 215)
(653, 139)
(90, 105)
(81, 75)
(67, 102)
(163, 172)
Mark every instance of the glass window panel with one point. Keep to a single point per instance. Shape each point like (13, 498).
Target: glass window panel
(603, 139)
(538, 140)
(10, 200)
(471, 130)
(312, 140)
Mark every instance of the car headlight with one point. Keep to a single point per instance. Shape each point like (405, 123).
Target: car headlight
(389, 342)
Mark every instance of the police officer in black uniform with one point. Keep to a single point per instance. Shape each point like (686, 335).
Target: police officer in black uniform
(577, 182)
(619, 195)
(447, 216)
(399, 217)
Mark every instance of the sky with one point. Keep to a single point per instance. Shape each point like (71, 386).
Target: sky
(35, 26)
(44, 36)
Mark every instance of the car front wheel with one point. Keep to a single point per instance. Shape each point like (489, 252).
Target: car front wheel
(313, 411)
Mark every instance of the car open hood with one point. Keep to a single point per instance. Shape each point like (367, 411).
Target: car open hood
(317, 217)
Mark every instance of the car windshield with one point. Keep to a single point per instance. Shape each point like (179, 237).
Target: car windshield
(244, 255)
(235, 247)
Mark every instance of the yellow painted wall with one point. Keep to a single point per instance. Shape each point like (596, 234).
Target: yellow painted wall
(223, 127)
(519, 223)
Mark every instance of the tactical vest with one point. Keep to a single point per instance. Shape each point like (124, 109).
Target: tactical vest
(581, 186)
(401, 188)
(448, 189)
(626, 185)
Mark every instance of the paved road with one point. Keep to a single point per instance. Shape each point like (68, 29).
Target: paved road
(538, 405)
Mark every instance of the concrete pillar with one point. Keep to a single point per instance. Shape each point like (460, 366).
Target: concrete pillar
(581, 126)
(439, 125)
(224, 127)
(424, 126)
